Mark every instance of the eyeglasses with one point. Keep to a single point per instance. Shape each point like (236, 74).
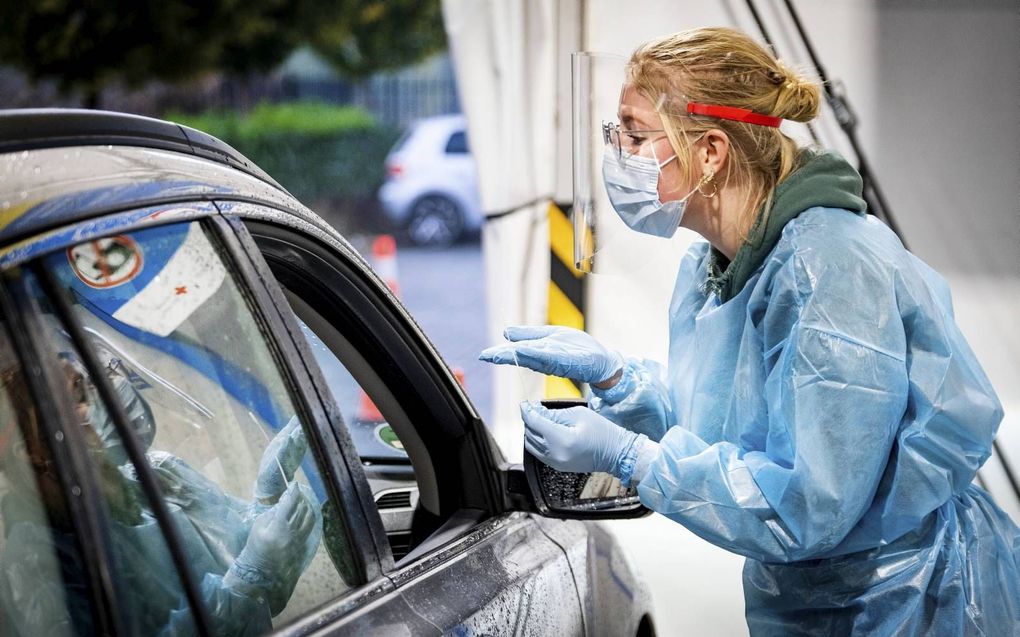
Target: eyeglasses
(626, 140)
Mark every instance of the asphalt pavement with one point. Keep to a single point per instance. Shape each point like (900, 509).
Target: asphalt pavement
(444, 289)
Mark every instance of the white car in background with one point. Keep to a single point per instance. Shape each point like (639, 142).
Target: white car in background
(431, 189)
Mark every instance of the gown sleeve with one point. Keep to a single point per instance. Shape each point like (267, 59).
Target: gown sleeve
(640, 402)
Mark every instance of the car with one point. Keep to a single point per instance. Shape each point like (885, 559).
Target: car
(431, 188)
(182, 348)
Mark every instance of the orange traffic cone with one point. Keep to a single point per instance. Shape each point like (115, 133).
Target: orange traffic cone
(384, 262)
(367, 411)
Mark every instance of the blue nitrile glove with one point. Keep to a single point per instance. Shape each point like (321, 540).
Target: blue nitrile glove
(578, 440)
(280, 460)
(277, 550)
(556, 351)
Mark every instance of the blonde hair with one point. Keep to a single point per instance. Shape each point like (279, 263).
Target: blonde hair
(723, 66)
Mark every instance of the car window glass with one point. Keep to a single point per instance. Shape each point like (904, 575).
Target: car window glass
(386, 464)
(148, 602)
(457, 143)
(183, 351)
(43, 583)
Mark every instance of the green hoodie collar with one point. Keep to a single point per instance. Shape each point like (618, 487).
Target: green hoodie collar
(822, 178)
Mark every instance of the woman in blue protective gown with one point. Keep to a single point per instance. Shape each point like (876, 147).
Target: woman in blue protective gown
(821, 413)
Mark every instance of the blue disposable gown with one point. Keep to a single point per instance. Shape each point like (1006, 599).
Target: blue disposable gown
(213, 528)
(827, 422)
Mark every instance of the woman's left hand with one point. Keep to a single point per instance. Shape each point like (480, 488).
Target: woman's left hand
(575, 439)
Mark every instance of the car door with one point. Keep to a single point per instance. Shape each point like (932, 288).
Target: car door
(471, 568)
(176, 397)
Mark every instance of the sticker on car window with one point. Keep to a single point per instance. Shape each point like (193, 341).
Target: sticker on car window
(388, 437)
(106, 262)
(190, 277)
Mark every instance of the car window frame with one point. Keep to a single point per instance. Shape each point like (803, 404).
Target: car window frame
(409, 357)
(476, 456)
(333, 451)
(57, 419)
(251, 279)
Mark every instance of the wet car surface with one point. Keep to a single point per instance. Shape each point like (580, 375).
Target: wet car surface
(218, 420)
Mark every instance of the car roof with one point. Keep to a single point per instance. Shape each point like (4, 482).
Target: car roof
(452, 120)
(119, 161)
(439, 126)
(137, 162)
(26, 129)
(429, 135)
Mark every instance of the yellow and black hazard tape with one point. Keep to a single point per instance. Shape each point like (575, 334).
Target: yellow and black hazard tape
(566, 291)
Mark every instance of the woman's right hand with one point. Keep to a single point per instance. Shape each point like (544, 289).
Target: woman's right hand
(557, 351)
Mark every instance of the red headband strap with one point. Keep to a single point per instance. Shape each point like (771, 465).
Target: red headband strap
(733, 113)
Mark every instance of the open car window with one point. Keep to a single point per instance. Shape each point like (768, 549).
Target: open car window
(356, 387)
(396, 395)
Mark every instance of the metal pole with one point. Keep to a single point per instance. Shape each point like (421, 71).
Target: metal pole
(836, 99)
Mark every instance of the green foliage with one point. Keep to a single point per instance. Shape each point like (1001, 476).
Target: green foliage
(346, 165)
(88, 45)
(311, 118)
(315, 150)
(360, 37)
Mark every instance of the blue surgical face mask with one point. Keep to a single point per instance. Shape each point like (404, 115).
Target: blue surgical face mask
(632, 183)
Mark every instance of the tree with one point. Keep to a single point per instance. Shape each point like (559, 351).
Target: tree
(88, 44)
(360, 37)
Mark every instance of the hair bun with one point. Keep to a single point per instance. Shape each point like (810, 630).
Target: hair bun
(798, 99)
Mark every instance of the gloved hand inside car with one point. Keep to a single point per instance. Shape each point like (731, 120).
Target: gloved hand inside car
(282, 540)
(579, 440)
(557, 351)
(280, 460)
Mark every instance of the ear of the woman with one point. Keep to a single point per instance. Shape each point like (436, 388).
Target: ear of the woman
(713, 151)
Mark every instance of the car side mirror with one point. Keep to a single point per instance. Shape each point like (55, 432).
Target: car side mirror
(560, 494)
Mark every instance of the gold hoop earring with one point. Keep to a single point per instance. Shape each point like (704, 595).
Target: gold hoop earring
(705, 180)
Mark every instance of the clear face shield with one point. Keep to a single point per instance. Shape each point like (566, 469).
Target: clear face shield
(619, 150)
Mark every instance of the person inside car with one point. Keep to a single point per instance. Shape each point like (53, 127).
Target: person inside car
(247, 556)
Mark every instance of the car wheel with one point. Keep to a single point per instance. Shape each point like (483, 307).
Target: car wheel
(435, 221)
